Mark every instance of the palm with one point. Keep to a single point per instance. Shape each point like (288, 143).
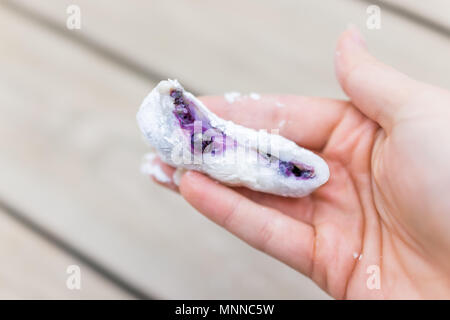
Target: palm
(355, 224)
(351, 214)
(340, 209)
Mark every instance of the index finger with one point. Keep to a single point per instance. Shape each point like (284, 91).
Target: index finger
(289, 240)
(308, 121)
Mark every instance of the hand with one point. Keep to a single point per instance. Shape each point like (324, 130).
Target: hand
(387, 203)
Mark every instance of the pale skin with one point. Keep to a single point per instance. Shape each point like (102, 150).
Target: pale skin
(388, 197)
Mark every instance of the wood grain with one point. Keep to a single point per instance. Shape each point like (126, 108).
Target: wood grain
(282, 46)
(437, 11)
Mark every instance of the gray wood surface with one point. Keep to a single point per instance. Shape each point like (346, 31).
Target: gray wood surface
(33, 268)
(435, 11)
(284, 46)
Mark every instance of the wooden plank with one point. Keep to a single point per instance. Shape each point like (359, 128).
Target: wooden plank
(437, 11)
(71, 152)
(33, 268)
(255, 45)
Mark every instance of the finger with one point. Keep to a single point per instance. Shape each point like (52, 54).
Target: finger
(377, 90)
(298, 208)
(307, 121)
(266, 229)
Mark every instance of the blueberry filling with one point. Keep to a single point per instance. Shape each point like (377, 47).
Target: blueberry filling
(182, 110)
(288, 169)
(187, 114)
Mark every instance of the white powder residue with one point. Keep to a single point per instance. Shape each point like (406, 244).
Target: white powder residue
(153, 169)
(177, 175)
(232, 96)
(356, 255)
(255, 96)
(281, 123)
(279, 104)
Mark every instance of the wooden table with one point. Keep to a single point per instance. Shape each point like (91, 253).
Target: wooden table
(70, 188)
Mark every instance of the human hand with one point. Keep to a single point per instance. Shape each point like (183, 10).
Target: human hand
(387, 203)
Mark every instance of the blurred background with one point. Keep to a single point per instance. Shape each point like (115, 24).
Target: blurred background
(71, 193)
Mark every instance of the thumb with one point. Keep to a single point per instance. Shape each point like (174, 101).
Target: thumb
(378, 90)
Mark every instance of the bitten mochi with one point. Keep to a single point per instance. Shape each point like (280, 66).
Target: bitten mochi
(186, 134)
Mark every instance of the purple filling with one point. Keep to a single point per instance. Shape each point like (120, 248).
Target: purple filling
(299, 171)
(184, 113)
(187, 114)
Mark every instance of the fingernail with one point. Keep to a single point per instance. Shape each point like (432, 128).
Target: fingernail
(356, 36)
